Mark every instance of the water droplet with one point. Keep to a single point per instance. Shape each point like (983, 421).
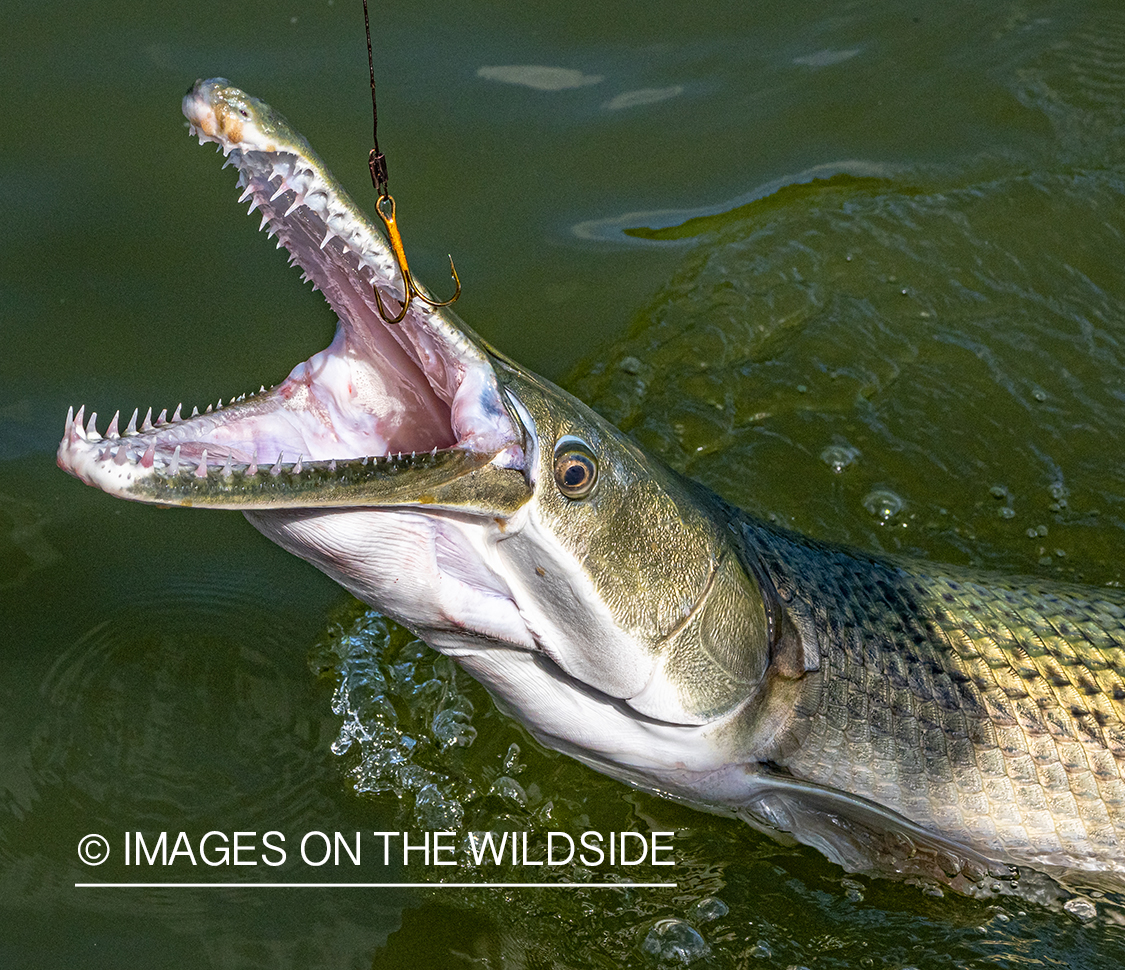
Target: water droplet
(675, 941)
(998, 492)
(839, 456)
(452, 728)
(1006, 512)
(435, 812)
(883, 504)
(510, 790)
(511, 763)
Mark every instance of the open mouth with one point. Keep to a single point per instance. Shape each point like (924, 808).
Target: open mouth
(381, 399)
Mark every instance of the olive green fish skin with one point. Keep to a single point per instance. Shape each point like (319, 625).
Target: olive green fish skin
(986, 709)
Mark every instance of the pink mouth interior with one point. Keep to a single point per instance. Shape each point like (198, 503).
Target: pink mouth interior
(378, 389)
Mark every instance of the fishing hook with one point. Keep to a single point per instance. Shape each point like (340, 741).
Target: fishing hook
(385, 207)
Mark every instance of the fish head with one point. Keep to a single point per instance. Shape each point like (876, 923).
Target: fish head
(507, 524)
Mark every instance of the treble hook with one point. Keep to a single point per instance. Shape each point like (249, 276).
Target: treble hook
(385, 206)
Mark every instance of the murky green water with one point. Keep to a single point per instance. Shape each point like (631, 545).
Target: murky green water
(856, 266)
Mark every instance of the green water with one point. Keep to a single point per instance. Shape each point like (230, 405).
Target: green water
(856, 266)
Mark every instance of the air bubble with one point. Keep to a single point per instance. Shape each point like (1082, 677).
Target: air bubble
(675, 941)
(883, 504)
(1081, 908)
(707, 909)
(838, 457)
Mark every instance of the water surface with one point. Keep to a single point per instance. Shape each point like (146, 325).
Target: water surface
(856, 266)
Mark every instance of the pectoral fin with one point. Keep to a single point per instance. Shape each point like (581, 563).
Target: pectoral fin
(861, 836)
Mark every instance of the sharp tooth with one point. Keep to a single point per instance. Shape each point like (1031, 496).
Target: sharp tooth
(227, 466)
(219, 406)
(297, 465)
(265, 220)
(252, 468)
(69, 422)
(132, 427)
(433, 454)
(276, 469)
(328, 235)
(146, 425)
(92, 428)
(332, 465)
(122, 455)
(281, 190)
(254, 203)
(246, 193)
(163, 419)
(208, 411)
(148, 457)
(78, 430)
(297, 203)
(176, 416)
(195, 412)
(174, 464)
(112, 431)
(201, 469)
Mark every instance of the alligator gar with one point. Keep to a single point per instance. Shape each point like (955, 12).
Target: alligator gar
(902, 717)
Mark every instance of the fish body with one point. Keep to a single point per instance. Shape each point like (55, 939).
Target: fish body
(901, 717)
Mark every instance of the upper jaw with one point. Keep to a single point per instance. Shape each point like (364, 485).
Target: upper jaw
(419, 390)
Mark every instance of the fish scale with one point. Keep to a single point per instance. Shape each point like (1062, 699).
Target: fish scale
(989, 711)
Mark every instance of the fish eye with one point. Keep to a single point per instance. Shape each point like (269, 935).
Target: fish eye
(576, 468)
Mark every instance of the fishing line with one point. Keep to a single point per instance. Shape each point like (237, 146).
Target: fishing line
(385, 208)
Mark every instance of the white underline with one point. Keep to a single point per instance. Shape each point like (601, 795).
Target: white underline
(375, 885)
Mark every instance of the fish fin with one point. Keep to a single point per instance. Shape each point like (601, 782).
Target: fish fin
(861, 836)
